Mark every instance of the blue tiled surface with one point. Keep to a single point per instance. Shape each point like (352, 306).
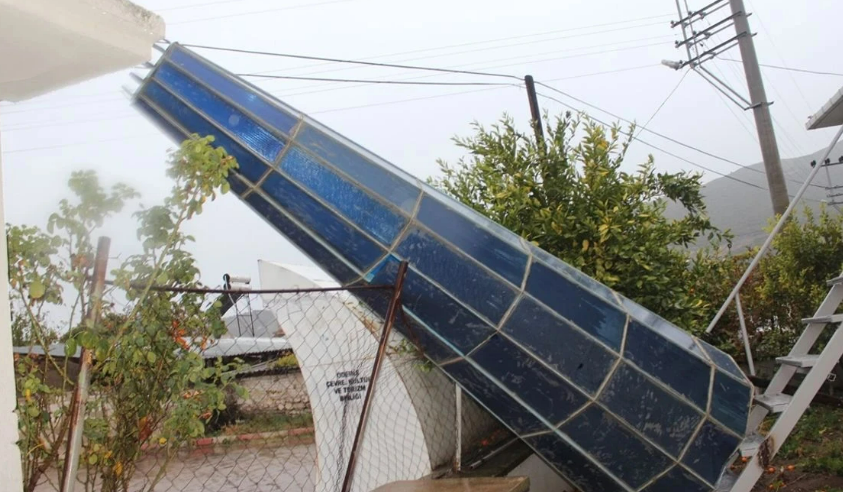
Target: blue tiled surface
(354, 204)
(238, 93)
(494, 398)
(573, 464)
(654, 412)
(709, 452)
(226, 116)
(583, 361)
(726, 402)
(629, 424)
(722, 360)
(356, 248)
(249, 166)
(467, 281)
(475, 241)
(545, 392)
(238, 186)
(677, 480)
(573, 302)
(666, 361)
(392, 188)
(614, 446)
(315, 249)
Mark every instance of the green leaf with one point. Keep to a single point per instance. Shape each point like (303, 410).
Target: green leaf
(226, 187)
(150, 356)
(70, 347)
(37, 289)
(92, 459)
(33, 411)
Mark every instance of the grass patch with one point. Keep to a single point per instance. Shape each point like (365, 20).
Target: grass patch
(816, 444)
(265, 422)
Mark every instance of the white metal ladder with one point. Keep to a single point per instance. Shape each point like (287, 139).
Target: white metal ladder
(761, 449)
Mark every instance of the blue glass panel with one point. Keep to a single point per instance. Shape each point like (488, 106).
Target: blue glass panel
(588, 311)
(723, 361)
(569, 351)
(315, 250)
(352, 244)
(461, 277)
(238, 186)
(233, 120)
(709, 453)
(572, 464)
(730, 402)
(657, 414)
(384, 183)
(437, 310)
(661, 326)
(669, 363)
(494, 398)
(615, 447)
(578, 276)
(356, 205)
(249, 165)
(161, 122)
(237, 93)
(677, 480)
(473, 239)
(548, 394)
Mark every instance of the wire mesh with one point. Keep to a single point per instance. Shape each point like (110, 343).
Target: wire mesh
(300, 365)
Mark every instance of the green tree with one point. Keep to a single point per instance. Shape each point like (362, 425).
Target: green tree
(150, 387)
(572, 198)
(788, 284)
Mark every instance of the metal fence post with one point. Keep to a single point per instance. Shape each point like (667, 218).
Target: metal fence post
(80, 393)
(745, 336)
(376, 367)
(458, 451)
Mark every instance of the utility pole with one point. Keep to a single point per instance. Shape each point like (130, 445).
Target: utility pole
(534, 109)
(760, 109)
(702, 46)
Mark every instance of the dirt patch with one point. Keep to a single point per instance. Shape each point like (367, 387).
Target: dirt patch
(799, 482)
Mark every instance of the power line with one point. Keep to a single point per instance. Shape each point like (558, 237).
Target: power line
(728, 176)
(670, 139)
(484, 64)
(508, 38)
(386, 103)
(437, 96)
(365, 81)
(488, 48)
(353, 62)
(772, 41)
(695, 164)
(800, 70)
(666, 99)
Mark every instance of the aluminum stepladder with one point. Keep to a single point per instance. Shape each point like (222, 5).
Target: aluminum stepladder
(758, 449)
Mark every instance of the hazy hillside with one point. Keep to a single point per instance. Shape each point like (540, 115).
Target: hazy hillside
(746, 210)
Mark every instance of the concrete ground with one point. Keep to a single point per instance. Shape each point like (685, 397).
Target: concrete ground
(275, 469)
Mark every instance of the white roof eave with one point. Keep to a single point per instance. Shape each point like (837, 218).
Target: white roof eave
(48, 44)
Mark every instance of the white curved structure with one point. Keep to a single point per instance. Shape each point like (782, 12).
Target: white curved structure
(336, 350)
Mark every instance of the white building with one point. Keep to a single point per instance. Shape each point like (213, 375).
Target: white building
(46, 45)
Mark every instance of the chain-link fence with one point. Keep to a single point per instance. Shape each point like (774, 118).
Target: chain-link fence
(293, 371)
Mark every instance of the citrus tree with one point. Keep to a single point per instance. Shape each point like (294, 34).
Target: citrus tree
(574, 197)
(151, 390)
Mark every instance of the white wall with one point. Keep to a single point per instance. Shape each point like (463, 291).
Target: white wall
(11, 474)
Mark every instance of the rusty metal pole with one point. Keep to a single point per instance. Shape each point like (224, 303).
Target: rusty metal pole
(80, 393)
(376, 367)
